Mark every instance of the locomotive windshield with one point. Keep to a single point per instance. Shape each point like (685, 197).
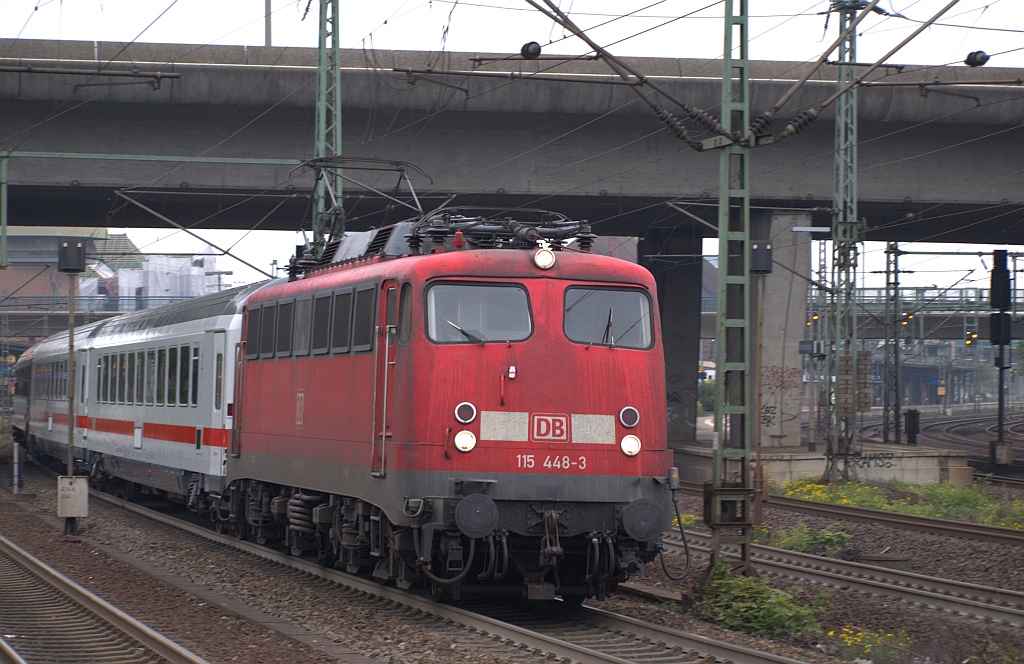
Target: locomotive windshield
(475, 313)
(608, 317)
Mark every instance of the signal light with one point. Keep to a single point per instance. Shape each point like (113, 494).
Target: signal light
(970, 338)
(976, 58)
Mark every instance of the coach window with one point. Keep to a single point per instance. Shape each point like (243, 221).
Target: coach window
(267, 322)
(129, 392)
(140, 361)
(285, 313)
(300, 338)
(150, 377)
(161, 375)
(405, 315)
(321, 324)
(105, 379)
(477, 313)
(363, 320)
(608, 317)
(172, 376)
(218, 382)
(184, 374)
(341, 324)
(252, 334)
(122, 380)
(195, 375)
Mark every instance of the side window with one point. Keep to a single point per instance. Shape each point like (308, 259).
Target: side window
(285, 312)
(172, 375)
(105, 379)
(140, 365)
(195, 375)
(129, 392)
(341, 325)
(405, 315)
(252, 334)
(161, 375)
(363, 318)
(321, 323)
(184, 374)
(267, 323)
(392, 313)
(150, 377)
(300, 338)
(218, 382)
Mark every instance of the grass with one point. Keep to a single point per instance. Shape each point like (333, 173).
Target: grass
(974, 504)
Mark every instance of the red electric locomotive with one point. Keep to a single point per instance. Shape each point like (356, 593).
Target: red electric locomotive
(459, 400)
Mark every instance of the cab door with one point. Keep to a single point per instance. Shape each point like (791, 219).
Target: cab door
(386, 336)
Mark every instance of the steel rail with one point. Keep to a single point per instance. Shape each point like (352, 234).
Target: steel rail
(97, 610)
(965, 599)
(577, 645)
(926, 524)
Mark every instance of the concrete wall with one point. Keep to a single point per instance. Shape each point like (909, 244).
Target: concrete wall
(875, 463)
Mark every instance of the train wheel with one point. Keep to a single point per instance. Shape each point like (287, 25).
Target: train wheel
(241, 530)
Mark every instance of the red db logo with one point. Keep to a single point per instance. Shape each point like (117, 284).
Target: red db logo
(549, 428)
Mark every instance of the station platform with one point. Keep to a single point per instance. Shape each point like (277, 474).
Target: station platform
(876, 462)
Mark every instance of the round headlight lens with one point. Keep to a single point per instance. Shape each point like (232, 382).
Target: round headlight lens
(630, 445)
(629, 417)
(544, 259)
(465, 412)
(465, 441)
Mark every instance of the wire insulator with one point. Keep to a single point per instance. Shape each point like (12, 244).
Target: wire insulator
(674, 124)
(800, 122)
(706, 120)
(760, 124)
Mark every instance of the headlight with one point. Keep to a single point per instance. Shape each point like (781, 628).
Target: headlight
(630, 445)
(465, 441)
(465, 412)
(544, 259)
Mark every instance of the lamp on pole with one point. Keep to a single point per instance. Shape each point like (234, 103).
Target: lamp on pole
(218, 274)
(72, 492)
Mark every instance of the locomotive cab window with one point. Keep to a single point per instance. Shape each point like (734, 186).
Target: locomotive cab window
(364, 318)
(608, 317)
(252, 334)
(477, 313)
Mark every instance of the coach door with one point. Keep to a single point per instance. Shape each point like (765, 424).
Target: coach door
(384, 364)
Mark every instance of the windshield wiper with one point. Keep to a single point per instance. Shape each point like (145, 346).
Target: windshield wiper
(469, 335)
(608, 337)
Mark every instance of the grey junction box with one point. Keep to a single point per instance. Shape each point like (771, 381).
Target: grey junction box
(72, 497)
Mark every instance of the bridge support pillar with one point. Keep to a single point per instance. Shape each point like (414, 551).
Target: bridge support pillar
(674, 257)
(782, 318)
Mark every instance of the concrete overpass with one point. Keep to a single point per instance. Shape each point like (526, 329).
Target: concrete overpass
(936, 163)
(211, 137)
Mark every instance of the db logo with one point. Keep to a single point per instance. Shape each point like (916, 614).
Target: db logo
(549, 428)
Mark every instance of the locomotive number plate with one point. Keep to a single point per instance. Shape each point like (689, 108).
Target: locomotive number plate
(552, 461)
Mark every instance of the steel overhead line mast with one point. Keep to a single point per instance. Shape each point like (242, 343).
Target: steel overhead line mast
(848, 393)
(328, 212)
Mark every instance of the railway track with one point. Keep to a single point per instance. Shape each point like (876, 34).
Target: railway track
(953, 597)
(47, 618)
(552, 630)
(924, 524)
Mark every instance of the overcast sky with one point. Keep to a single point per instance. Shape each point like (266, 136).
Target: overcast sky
(795, 30)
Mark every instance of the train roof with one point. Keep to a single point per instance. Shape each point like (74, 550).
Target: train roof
(148, 322)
